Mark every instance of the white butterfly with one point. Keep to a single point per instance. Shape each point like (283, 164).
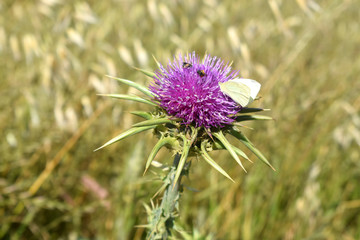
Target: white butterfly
(241, 90)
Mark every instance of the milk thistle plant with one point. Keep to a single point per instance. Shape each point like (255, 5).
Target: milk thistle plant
(196, 103)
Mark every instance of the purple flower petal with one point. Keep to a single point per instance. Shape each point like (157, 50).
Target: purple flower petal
(192, 93)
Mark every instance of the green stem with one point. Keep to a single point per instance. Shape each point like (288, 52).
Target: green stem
(162, 218)
(170, 199)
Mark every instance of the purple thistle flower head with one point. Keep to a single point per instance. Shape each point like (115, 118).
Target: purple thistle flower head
(189, 89)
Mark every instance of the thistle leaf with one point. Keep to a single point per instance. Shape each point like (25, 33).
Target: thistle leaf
(147, 73)
(162, 142)
(186, 149)
(212, 163)
(139, 87)
(219, 135)
(130, 132)
(252, 117)
(238, 124)
(219, 146)
(251, 147)
(241, 153)
(152, 122)
(142, 114)
(240, 136)
(251, 110)
(128, 97)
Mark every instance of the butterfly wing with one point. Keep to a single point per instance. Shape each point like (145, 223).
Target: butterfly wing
(241, 90)
(238, 92)
(252, 84)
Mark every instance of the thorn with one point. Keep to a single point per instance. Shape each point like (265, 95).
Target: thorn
(157, 62)
(209, 133)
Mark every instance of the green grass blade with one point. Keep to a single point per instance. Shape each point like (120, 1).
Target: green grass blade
(139, 87)
(152, 122)
(252, 117)
(162, 142)
(251, 147)
(128, 97)
(130, 132)
(219, 135)
(147, 73)
(185, 153)
(212, 163)
(142, 114)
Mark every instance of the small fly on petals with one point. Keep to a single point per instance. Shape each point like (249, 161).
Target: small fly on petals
(186, 65)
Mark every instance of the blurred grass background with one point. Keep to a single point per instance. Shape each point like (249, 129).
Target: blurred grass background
(53, 58)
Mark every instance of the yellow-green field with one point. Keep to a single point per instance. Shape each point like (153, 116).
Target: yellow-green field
(54, 56)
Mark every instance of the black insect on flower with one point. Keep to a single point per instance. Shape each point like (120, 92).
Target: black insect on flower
(201, 73)
(186, 65)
